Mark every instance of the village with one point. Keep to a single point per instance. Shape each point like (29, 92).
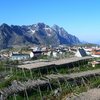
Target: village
(40, 72)
(43, 53)
(39, 52)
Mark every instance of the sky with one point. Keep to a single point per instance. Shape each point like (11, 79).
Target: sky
(78, 17)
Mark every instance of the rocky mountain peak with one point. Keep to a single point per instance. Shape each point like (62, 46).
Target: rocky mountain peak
(4, 25)
(40, 25)
(39, 33)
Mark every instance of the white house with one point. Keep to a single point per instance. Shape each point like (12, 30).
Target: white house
(31, 54)
(97, 56)
(54, 54)
(80, 53)
(96, 53)
(35, 54)
(49, 53)
(35, 48)
(20, 57)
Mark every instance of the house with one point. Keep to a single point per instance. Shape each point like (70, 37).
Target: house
(55, 53)
(96, 53)
(52, 54)
(49, 53)
(20, 57)
(80, 53)
(35, 48)
(35, 54)
(88, 50)
(94, 63)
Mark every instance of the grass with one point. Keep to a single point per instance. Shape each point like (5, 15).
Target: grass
(67, 87)
(23, 75)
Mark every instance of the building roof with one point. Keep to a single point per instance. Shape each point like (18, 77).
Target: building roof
(82, 52)
(97, 53)
(37, 51)
(20, 54)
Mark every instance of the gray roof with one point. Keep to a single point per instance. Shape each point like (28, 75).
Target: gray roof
(82, 52)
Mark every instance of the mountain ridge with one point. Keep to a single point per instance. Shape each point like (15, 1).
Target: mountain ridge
(39, 34)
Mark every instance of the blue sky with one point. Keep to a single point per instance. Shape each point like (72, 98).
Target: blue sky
(78, 17)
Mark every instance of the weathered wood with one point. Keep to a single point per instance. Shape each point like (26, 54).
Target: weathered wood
(53, 63)
(21, 86)
(74, 75)
(18, 86)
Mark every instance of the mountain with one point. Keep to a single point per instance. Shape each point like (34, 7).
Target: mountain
(40, 34)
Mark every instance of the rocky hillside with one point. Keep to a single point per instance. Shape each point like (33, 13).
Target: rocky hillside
(34, 34)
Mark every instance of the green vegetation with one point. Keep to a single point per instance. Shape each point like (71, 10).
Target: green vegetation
(67, 86)
(23, 74)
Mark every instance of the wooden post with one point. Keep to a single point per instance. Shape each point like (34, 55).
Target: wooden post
(15, 97)
(31, 73)
(26, 94)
